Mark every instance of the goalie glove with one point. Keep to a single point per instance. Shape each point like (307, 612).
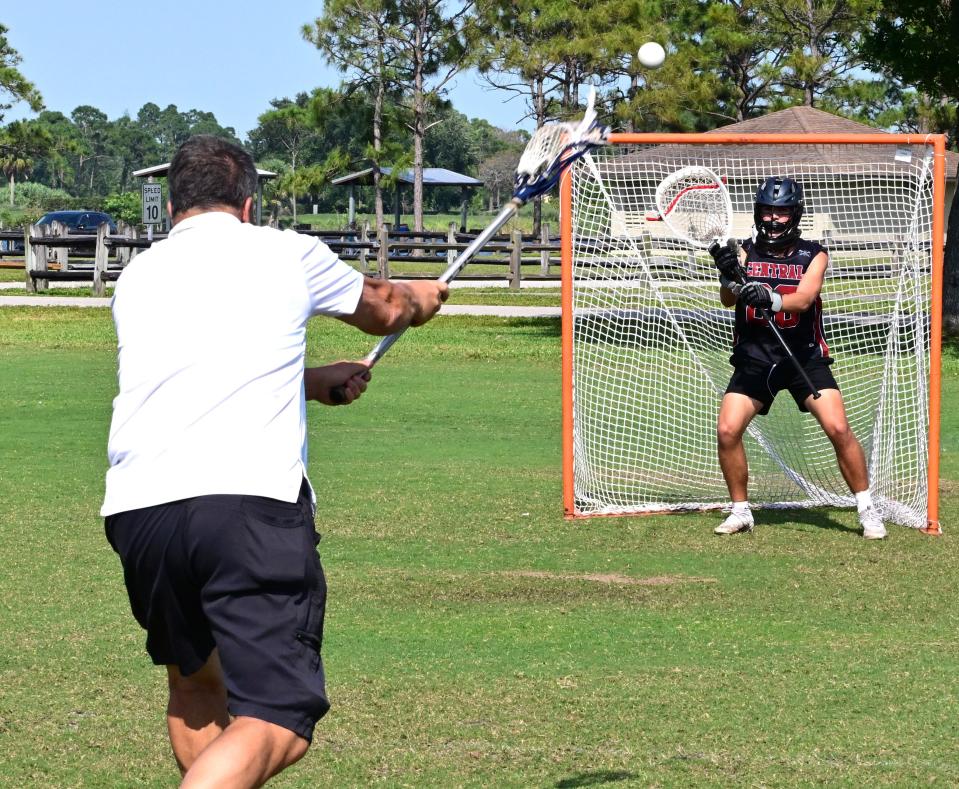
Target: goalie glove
(726, 258)
(760, 296)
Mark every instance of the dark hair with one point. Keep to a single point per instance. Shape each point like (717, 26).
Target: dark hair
(207, 171)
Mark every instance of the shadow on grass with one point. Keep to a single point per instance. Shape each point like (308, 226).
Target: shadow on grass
(594, 779)
(821, 519)
(537, 327)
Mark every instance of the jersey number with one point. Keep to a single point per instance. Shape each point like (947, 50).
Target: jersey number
(784, 320)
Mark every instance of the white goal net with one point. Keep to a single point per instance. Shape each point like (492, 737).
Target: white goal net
(648, 351)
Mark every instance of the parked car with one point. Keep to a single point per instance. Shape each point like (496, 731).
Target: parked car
(79, 221)
(12, 246)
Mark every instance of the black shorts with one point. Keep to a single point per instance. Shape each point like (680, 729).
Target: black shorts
(242, 574)
(763, 382)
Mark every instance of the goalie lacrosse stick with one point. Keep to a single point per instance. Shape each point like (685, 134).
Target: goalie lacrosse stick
(694, 204)
(551, 149)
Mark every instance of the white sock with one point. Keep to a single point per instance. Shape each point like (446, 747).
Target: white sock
(863, 500)
(740, 507)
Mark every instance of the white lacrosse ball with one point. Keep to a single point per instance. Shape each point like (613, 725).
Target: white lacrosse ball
(651, 54)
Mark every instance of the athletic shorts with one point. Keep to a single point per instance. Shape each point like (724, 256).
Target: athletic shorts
(242, 574)
(763, 382)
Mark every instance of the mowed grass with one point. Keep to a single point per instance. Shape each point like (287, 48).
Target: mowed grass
(474, 637)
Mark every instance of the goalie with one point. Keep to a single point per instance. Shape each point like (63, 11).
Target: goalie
(780, 275)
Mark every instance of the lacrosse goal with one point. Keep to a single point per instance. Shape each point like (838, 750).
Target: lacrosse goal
(646, 342)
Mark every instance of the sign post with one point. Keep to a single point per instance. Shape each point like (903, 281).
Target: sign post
(151, 198)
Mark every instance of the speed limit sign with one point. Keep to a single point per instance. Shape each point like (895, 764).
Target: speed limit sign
(152, 200)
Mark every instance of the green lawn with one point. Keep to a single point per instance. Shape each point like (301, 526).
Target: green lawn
(526, 297)
(11, 274)
(475, 218)
(475, 638)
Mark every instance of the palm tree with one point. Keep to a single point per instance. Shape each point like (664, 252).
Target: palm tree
(20, 143)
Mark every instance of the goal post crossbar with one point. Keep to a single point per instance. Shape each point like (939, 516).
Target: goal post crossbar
(934, 142)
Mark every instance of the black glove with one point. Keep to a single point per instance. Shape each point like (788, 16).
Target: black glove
(726, 258)
(760, 296)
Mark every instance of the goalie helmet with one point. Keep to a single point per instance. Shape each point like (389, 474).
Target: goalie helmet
(778, 193)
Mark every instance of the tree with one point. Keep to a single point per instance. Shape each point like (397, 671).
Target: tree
(132, 147)
(21, 142)
(428, 44)
(453, 145)
(93, 127)
(489, 139)
(56, 168)
(288, 128)
(547, 50)
(170, 127)
(911, 41)
(497, 173)
(352, 35)
(736, 34)
(876, 102)
(514, 41)
(14, 86)
(412, 48)
(206, 123)
(824, 37)
(688, 92)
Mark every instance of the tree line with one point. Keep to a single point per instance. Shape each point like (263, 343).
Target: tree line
(85, 159)
(888, 63)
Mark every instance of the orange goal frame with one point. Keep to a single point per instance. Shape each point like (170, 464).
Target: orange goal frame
(938, 143)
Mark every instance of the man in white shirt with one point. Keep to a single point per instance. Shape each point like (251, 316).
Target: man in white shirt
(207, 501)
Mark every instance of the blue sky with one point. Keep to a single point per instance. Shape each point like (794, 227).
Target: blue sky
(227, 58)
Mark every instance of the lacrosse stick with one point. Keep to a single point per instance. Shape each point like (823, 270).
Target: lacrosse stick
(552, 148)
(694, 204)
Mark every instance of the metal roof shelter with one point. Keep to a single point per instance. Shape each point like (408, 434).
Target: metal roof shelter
(846, 160)
(161, 170)
(810, 120)
(804, 120)
(432, 176)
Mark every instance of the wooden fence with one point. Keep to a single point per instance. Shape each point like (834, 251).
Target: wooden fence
(51, 254)
(374, 252)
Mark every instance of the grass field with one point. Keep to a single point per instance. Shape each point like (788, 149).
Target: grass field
(476, 218)
(432, 267)
(474, 637)
(527, 297)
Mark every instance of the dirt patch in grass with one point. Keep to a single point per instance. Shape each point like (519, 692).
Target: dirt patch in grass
(611, 578)
(948, 487)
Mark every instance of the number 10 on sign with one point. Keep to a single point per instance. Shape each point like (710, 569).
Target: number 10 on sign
(152, 200)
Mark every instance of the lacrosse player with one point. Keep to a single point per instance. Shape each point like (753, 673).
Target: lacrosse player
(207, 501)
(778, 274)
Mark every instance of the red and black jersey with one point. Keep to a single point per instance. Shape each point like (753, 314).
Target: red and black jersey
(802, 331)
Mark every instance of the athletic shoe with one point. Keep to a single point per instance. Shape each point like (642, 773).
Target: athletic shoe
(872, 526)
(735, 523)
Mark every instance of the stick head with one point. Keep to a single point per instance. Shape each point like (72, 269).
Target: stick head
(694, 203)
(553, 147)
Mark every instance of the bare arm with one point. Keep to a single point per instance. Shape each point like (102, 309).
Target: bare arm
(805, 294)
(350, 377)
(809, 286)
(726, 296)
(386, 307)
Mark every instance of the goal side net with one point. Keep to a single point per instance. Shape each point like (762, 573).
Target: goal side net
(646, 342)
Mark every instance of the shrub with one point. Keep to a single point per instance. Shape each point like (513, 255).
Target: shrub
(125, 206)
(37, 198)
